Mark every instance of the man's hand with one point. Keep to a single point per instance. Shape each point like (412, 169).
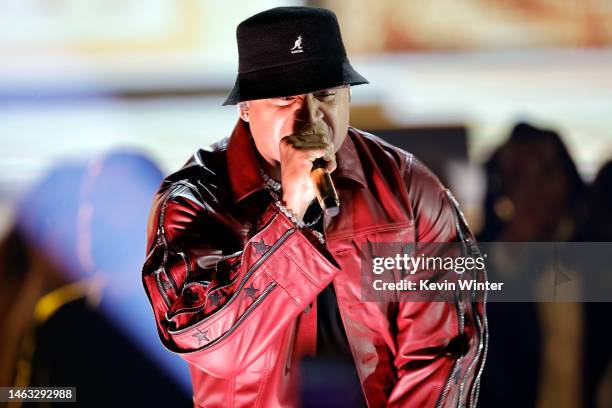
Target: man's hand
(297, 153)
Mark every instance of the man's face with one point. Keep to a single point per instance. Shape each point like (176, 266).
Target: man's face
(272, 119)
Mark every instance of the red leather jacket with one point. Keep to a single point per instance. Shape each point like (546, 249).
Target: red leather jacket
(232, 280)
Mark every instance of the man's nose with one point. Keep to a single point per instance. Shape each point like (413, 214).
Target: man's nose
(308, 113)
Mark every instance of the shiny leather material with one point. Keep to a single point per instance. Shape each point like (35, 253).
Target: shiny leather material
(232, 280)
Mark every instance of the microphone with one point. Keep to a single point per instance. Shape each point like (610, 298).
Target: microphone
(324, 188)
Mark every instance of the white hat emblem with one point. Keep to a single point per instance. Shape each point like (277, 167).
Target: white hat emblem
(297, 46)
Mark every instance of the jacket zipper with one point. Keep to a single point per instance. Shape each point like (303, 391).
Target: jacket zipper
(482, 344)
(456, 364)
(479, 351)
(447, 386)
(473, 363)
(485, 342)
(161, 289)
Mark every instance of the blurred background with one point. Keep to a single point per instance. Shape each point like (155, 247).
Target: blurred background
(508, 101)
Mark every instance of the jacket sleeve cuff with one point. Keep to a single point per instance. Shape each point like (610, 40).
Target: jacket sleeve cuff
(283, 269)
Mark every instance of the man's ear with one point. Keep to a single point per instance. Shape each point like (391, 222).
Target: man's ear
(243, 110)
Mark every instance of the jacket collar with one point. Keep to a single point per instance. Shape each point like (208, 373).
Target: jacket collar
(243, 167)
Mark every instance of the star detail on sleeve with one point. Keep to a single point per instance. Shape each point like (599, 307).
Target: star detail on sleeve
(201, 336)
(261, 246)
(251, 291)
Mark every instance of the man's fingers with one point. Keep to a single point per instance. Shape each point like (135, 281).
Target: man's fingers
(309, 146)
(330, 159)
(304, 145)
(314, 137)
(317, 145)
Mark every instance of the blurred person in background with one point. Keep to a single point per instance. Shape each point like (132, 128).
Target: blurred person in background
(598, 284)
(534, 194)
(67, 299)
(600, 202)
(241, 256)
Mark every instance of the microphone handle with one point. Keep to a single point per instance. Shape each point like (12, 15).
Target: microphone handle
(324, 188)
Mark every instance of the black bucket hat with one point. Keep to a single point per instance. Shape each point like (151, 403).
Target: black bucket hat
(290, 51)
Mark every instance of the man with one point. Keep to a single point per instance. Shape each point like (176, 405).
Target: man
(247, 275)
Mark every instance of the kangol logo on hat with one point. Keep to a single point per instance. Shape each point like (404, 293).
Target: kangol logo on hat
(297, 47)
(288, 51)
